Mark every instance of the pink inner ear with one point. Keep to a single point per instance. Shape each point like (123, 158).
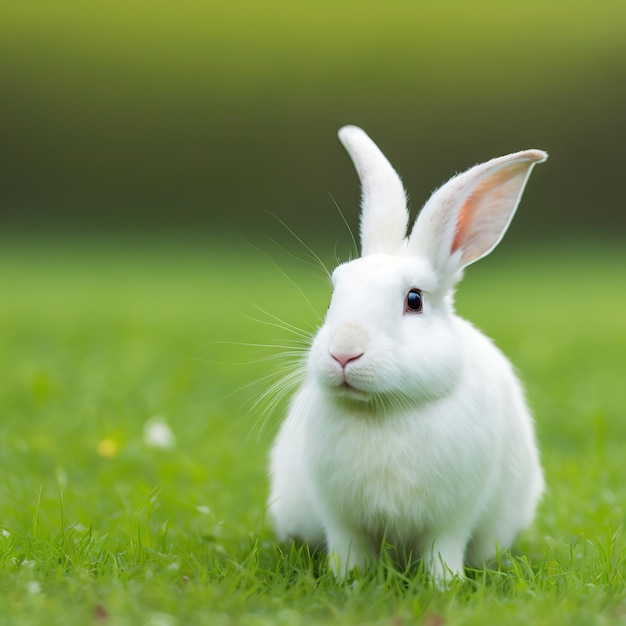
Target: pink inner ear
(463, 221)
(486, 212)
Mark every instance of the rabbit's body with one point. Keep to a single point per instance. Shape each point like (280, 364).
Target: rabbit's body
(410, 428)
(413, 474)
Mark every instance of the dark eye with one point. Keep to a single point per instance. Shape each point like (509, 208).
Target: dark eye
(413, 302)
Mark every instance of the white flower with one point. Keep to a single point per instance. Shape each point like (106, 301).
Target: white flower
(33, 587)
(157, 434)
(161, 619)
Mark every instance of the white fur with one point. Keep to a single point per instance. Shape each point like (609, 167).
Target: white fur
(384, 217)
(423, 441)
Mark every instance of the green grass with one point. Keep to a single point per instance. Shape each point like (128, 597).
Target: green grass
(97, 339)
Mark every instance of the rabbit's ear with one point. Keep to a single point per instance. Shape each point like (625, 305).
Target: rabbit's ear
(384, 216)
(466, 217)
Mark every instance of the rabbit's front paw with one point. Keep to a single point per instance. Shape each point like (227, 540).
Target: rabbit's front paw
(346, 554)
(443, 559)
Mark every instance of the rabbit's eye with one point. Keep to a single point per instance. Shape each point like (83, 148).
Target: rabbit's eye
(413, 302)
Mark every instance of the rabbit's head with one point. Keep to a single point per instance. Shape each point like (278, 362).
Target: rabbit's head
(390, 337)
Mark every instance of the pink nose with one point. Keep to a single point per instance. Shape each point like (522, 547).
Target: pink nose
(344, 359)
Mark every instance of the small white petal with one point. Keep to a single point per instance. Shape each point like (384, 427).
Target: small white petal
(33, 587)
(161, 619)
(157, 434)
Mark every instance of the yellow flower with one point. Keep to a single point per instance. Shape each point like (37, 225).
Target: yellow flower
(107, 448)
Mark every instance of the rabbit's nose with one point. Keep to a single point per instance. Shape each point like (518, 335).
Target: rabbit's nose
(346, 357)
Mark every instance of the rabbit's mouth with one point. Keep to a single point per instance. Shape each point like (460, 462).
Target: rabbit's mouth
(346, 390)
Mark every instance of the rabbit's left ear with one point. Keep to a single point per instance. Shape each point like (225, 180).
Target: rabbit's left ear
(465, 219)
(384, 216)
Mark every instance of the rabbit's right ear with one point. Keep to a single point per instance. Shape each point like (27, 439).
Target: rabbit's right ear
(384, 216)
(465, 219)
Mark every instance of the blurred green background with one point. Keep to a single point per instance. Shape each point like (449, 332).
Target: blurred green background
(209, 114)
(142, 143)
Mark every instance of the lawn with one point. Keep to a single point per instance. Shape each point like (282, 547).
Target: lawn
(103, 522)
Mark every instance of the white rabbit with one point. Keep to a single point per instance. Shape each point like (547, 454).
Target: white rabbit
(410, 428)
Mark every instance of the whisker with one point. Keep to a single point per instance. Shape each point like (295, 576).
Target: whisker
(233, 342)
(265, 359)
(284, 374)
(280, 323)
(272, 397)
(291, 280)
(268, 392)
(305, 260)
(345, 221)
(244, 387)
(246, 344)
(303, 336)
(307, 248)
